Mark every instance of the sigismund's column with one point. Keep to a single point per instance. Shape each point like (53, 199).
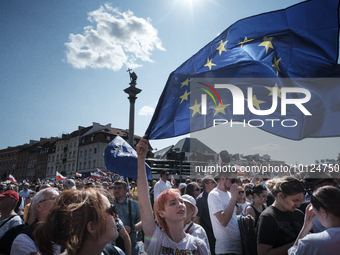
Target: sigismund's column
(132, 91)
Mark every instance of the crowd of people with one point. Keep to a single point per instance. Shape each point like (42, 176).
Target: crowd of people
(220, 214)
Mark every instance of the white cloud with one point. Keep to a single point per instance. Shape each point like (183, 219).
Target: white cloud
(146, 111)
(267, 147)
(119, 38)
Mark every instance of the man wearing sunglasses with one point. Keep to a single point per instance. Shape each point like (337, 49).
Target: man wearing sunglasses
(40, 206)
(162, 184)
(222, 210)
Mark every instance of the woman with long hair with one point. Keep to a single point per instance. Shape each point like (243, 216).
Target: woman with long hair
(280, 224)
(193, 189)
(259, 193)
(170, 212)
(325, 204)
(82, 221)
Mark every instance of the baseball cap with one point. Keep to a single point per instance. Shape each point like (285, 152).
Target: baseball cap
(191, 200)
(11, 193)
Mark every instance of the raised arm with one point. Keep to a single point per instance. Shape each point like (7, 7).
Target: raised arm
(148, 221)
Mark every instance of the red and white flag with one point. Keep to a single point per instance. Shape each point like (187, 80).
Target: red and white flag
(101, 172)
(173, 181)
(39, 180)
(220, 162)
(240, 170)
(78, 175)
(95, 176)
(255, 163)
(12, 179)
(60, 177)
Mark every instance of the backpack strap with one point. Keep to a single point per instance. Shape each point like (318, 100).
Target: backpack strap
(8, 220)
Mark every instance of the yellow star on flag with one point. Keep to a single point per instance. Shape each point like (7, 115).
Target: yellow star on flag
(195, 108)
(209, 64)
(220, 108)
(117, 149)
(271, 90)
(185, 96)
(267, 42)
(186, 82)
(256, 102)
(221, 47)
(245, 41)
(276, 65)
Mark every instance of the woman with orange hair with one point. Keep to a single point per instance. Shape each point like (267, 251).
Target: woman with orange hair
(170, 212)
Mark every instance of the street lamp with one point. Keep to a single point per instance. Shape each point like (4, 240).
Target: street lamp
(132, 91)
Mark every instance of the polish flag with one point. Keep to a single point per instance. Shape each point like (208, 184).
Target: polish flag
(95, 176)
(79, 175)
(240, 170)
(12, 179)
(101, 172)
(173, 181)
(220, 162)
(60, 177)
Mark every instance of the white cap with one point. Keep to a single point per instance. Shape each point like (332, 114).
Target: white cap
(70, 184)
(191, 200)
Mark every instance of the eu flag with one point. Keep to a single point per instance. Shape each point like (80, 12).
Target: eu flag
(283, 51)
(121, 158)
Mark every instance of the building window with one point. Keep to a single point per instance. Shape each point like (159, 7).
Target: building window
(80, 166)
(92, 138)
(74, 154)
(95, 150)
(90, 151)
(85, 153)
(84, 165)
(57, 157)
(108, 138)
(81, 153)
(89, 164)
(94, 163)
(83, 140)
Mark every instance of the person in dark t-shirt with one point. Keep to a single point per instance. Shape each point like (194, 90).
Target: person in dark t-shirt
(280, 223)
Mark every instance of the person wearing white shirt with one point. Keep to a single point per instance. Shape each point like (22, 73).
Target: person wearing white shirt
(162, 184)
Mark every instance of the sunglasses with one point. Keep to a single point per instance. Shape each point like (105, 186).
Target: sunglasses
(330, 180)
(241, 192)
(293, 186)
(197, 189)
(112, 211)
(51, 198)
(310, 192)
(233, 180)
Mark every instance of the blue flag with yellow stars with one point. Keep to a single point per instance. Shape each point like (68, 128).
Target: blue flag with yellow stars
(276, 71)
(121, 158)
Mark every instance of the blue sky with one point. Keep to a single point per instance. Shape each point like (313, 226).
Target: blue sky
(64, 65)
